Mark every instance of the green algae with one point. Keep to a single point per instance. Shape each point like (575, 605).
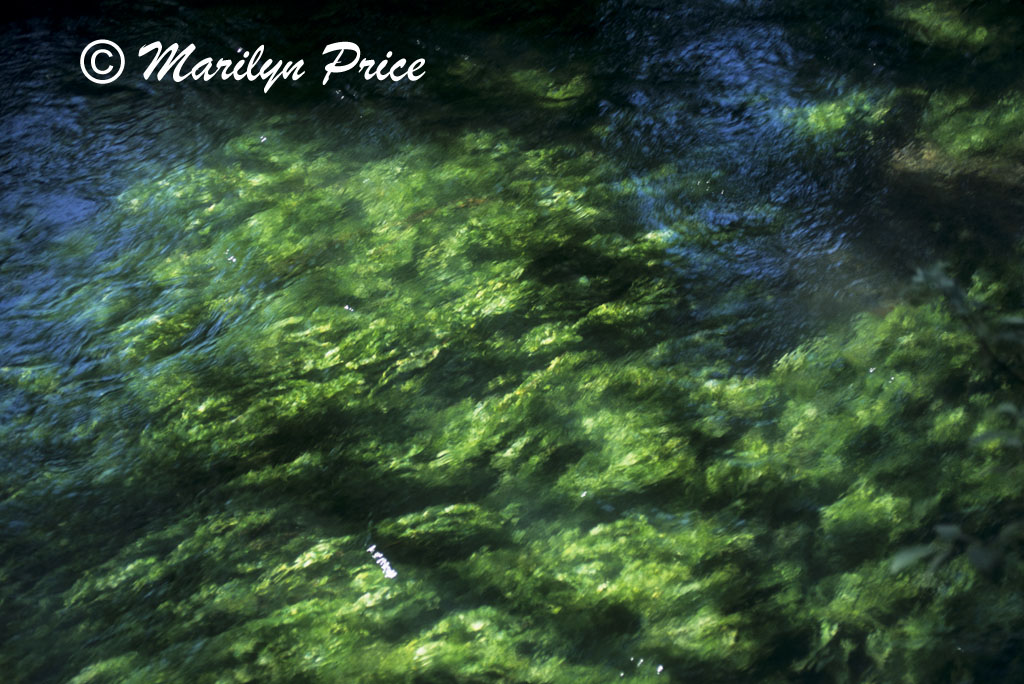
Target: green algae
(962, 127)
(462, 353)
(550, 92)
(943, 24)
(781, 496)
(823, 119)
(830, 440)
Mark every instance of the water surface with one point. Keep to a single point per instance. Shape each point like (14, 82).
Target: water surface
(594, 354)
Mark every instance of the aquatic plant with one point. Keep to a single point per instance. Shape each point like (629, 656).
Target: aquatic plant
(393, 404)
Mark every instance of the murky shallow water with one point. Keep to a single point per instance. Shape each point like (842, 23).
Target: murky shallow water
(538, 331)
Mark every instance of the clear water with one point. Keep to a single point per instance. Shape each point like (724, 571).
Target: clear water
(591, 355)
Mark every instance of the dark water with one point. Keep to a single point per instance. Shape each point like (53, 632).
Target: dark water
(511, 325)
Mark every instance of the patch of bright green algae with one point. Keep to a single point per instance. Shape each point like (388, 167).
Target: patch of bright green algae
(967, 132)
(823, 119)
(962, 127)
(974, 124)
(458, 355)
(944, 24)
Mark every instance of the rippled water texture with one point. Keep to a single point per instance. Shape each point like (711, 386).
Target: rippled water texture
(643, 341)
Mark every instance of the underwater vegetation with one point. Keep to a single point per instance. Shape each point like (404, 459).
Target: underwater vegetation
(436, 375)
(403, 402)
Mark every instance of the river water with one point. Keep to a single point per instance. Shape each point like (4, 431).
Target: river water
(488, 325)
